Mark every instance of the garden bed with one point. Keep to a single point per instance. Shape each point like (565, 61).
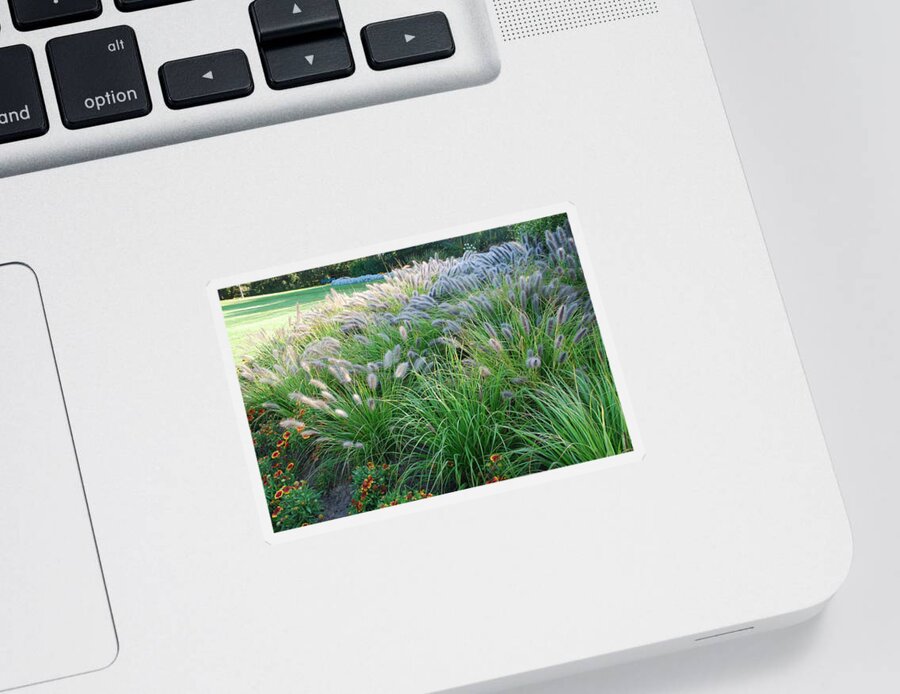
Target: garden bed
(457, 369)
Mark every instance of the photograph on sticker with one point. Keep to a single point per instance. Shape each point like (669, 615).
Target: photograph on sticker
(422, 371)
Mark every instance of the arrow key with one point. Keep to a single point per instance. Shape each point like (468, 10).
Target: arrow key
(206, 79)
(408, 40)
(274, 20)
(297, 64)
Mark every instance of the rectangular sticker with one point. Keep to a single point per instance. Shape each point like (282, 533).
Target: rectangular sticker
(420, 371)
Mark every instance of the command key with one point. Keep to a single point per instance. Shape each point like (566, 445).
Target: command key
(22, 111)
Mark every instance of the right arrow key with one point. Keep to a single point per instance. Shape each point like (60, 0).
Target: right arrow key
(408, 40)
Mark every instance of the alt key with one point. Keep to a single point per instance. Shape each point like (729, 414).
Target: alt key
(99, 77)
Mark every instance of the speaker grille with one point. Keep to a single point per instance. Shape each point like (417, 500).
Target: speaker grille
(521, 19)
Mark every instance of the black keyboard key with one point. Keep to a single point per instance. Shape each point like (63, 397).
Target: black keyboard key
(408, 40)
(285, 19)
(22, 111)
(206, 79)
(297, 64)
(37, 14)
(99, 77)
(131, 5)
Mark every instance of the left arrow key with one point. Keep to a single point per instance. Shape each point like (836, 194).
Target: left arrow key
(206, 79)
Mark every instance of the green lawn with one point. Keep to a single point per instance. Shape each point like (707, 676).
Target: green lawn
(245, 318)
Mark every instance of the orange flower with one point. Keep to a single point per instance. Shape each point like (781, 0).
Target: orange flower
(279, 494)
(286, 435)
(290, 466)
(495, 458)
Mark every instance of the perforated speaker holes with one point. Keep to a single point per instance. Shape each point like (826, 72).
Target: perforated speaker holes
(521, 19)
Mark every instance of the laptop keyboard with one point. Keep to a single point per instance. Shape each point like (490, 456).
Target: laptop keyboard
(102, 76)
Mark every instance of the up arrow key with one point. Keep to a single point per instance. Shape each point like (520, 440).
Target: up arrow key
(408, 37)
(286, 21)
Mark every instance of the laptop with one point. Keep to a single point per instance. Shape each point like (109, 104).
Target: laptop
(386, 347)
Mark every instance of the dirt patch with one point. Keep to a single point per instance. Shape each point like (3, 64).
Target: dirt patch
(337, 501)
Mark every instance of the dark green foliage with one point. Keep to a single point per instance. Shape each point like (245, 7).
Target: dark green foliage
(386, 262)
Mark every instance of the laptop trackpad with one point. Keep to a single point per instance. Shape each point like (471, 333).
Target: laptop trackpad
(55, 619)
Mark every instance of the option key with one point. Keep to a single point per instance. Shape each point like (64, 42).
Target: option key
(99, 77)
